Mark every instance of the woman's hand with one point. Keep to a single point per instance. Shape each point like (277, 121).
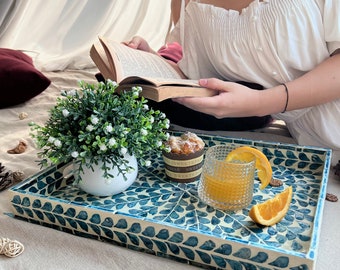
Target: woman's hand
(139, 43)
(232, 100)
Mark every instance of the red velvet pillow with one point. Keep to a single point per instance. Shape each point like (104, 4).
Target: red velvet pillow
(19, 79)
(171, 51)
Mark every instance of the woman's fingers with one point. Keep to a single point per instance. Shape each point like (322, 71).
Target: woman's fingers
(232, 100)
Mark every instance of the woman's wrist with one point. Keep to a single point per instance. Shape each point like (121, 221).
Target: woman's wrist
(274, 100)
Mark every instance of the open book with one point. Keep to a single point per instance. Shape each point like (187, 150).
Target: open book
(130, 67)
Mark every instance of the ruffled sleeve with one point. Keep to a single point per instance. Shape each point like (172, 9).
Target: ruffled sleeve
(331, 17)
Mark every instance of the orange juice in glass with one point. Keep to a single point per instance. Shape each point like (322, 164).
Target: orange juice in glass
(226, 185)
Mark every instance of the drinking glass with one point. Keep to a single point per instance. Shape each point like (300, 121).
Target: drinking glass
(226, 185)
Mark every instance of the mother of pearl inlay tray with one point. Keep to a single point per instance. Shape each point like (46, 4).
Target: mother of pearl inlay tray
(168, 219)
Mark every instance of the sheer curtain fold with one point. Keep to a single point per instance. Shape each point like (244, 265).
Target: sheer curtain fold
(59, 34)
(6, 8)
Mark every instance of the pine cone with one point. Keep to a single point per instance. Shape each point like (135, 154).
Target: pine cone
(9, 178)
(2, 168)
(5, 180)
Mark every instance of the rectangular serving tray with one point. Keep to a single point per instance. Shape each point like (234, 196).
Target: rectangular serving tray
(168, 219)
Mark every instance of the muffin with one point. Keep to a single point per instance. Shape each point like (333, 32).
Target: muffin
(183, 163)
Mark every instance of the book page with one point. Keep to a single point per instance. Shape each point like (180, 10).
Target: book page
(160, 81)
(142, 64)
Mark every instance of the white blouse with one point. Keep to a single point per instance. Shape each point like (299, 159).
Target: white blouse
(269, 42)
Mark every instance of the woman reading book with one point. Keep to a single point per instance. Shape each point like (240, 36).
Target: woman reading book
(290, 47)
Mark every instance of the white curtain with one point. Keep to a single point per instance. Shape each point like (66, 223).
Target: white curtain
(58, 34)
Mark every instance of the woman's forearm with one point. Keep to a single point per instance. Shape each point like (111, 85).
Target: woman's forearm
(318, 86)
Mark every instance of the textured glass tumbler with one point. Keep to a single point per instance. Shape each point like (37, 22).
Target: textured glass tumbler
(226, 185)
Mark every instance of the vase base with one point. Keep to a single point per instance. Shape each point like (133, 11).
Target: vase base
(93, 182)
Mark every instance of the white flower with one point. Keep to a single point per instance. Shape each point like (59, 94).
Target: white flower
(167, 123)
(162, 116)
(123, 151)
(102, 147)
(159, 143)
(94, 120)
(57, 143)
(167, 135)
(112, 142)
(51, 139)
(109, 128)
(112, 83)
(136, 90)
(152, 119)
(144, 132)
(146, 107)
(89, 127)
(147, 163)
(72, 92)
(74, 154)
(65, 112)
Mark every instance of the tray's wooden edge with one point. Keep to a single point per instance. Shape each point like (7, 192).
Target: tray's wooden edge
(299, 259)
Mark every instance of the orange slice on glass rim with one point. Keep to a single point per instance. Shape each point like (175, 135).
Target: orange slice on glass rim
(273, 210)
(262, 165)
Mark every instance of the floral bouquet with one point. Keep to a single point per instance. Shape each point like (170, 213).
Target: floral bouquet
(95, 124)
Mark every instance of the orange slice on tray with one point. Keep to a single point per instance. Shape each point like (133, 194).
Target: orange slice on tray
(262, 165)
(273, 210)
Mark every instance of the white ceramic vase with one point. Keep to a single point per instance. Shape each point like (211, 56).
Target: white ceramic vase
(94, 183)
